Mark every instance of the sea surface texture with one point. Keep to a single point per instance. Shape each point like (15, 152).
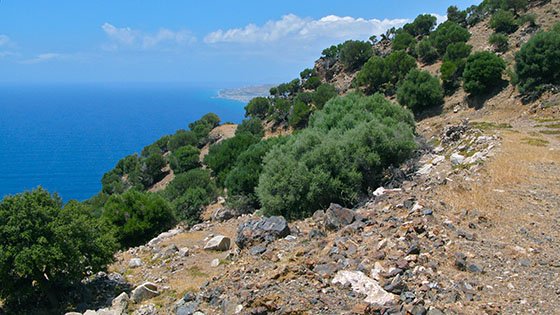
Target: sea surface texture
(65, 137)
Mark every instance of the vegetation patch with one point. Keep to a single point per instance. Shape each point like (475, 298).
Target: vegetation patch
(535, 141)
(483, 125)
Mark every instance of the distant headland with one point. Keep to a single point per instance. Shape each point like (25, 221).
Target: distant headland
(247, 93)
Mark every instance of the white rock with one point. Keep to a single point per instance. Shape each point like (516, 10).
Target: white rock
(425, 170)
(120, 303)
(438, 150)
(362, 284)
(143, 292)
(220, 242)
(379, 192)
(478, 156)
(164, 236)
(438, 159)
(135, 262)
(456, 159)
(215, 263)
(238, 309)
(183, 252)
(290, 238)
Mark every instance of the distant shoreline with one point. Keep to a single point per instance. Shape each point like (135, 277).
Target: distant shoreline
(247, 93)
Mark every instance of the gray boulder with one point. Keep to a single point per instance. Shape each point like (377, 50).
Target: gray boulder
(143, 292)
(456, 159)
(220, 243)
(135, 262)
(259, 230)
(224, 213)
(338, 217)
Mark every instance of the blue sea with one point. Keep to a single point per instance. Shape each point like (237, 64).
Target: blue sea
(64, 137)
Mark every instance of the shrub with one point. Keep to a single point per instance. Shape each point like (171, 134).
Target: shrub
(324, 93)
(184, 159)
(300, 114)
(258, 107)
(378, 71)
(426, 51)
(516, 5)
(190, 205)
(457, 51)
(556, 28)
(332, 52)
(482, 71)
(46, 246)
(153, 169)
(307, 74)
(138, 216)
(158, 147)
(355, 53)
(421, 26)
(182, 138)
(403, 41)
(538, 61)
(499, 41)
(222, 156)
(420, 90)
(475, 14)
(202, 127)
(195, 178)
(280, 109)
(253, 126)
(503, 22)
(448, 33)
(312, 83)
(343, 152)
(457, 16)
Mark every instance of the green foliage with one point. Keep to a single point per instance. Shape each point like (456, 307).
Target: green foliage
(403, 41)
(184, 159)
(426, 51)
(130, 166)
(475, 14)
(556, 28)
(190, 205)
(355, 53)
(538, 61)
(528, 18)
(202, 127)
(273, 91)
(516, 5)
(158, 147)
(324, 93)
(307, 73)
(457, 16)
(253, 126)
(332, 52)
(337, 158)
(258, 107)
(45, 247)
(300, 114)
(306, 97)
(457, 51)
(182, 138)
(279, 109)
(312, 83)
(482, 71)
(153, 168)
(379, 74)
(195, 178)
(503, 22)
(451, 74)
(448, 33)
(499, 41)
(421, 26)
(420, 90)
(138, 216)
(222, 156)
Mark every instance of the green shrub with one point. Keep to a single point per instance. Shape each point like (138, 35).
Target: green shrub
(421, 26)
(45, 247)
(307, 74)
(300, 114)
(482, 71)
(332, 52)
(222, 156)
(516, 5)
(448, 33)
(528, 19)
(153, 169)
(258, 107)
(202, 127)
(426, 51)
(503, 22)
(184, 159)
(403, 41)
(279, 109)
(538, 61)
(158, 147)
(190, 205)
(195, 178)
(253, 126)
(355, 53)
(457, 16)
(457, 51)
(138, 216)
(378, 72)
(324, 93)
(420, 90)
(499, 41)
(341, 154)
(312, 83)
(182, 138)
(556, 28)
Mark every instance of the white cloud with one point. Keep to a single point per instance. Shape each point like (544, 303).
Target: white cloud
(296, 28)
(44, 57)
(126, 37)
(440, 18)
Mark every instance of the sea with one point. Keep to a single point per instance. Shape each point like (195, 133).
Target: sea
(65, 137)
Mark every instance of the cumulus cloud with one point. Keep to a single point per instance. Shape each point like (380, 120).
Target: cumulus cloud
(440, 18)
(127, 37)
(294, 27)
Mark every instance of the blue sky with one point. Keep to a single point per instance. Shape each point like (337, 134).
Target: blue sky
(221, 42)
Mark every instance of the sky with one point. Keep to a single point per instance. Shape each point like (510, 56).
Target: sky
(231, 43)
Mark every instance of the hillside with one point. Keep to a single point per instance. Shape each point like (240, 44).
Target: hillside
(328, 201)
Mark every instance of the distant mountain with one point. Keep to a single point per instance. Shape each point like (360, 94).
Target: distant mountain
(245, 94)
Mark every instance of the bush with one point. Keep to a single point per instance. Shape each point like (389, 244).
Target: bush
(482, 71)
(202, 127)
(556, 28)
(341, 154)
(457, 16)
(253, 126)
(190, 205)
(300, 114)
(280, 109)
(403, 41)
(184, 159)
(355, 53)
(324, 93)
(182, 138)
(448, 33)
(158, 147)
(538, 61)
(499, 41)
(420, 90)
(138, 216)
(426, 51)
(307, 74)
(332, 52)
(196, 178)
(45, 247)
(379, 74)
(451, 73)
(153, 169)
(312, 83)
(457, 51)
(258, 107)
(503, 22)
(222, 156)
(421, 26)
